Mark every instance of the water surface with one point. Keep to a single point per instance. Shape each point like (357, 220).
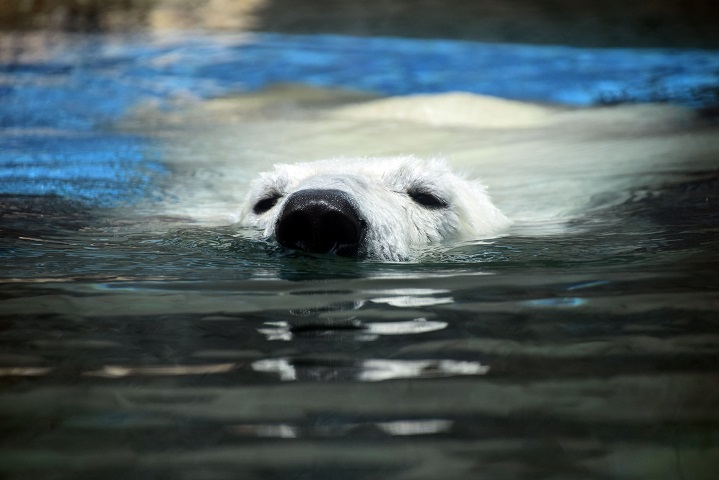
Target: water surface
(146, 336)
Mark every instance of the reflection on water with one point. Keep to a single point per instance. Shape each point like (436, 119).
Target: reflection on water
(605, 366)
(154, 341)
(368, 370)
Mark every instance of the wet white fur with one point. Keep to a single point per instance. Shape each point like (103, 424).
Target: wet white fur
(397, 225)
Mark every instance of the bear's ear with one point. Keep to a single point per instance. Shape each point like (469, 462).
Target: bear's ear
(426, 198)
(265, 204)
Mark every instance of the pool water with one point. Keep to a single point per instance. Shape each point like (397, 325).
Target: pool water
(144, 335)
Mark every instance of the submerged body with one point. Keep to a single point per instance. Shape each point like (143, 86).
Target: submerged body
(167, 342)
(552, 171)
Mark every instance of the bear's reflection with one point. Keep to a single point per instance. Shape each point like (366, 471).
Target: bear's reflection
(374, 370)
(319, 332)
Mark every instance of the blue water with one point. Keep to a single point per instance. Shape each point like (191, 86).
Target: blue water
(84, 83)
(96, 79)
(138, 345)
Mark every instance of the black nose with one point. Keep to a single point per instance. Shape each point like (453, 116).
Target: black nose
(320, 221)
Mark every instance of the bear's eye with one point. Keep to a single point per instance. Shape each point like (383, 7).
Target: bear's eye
(266, 203)
(426, 199)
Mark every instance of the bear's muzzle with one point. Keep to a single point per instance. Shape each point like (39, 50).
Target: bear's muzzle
(321, 221)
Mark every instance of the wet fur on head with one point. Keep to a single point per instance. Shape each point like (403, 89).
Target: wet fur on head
(407, 203)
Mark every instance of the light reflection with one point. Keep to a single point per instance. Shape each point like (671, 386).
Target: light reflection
(403, 428)
(24, 371)
(418, 325)
(583, 285)
(375, 370)
(116, 371)
(282, 366)
(44, 240)
(410, 297)
(557, 302)
(282, 331)
(378, 370)
(411, 301)
(406, 291)
(267, 431)
(415, 427)
(277, 331)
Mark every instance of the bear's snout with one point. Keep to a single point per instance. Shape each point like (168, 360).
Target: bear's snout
(321, 221)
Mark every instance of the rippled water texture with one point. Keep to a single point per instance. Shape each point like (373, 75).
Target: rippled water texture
(143, 335)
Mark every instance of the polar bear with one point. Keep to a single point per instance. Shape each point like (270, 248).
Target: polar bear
(377, 208)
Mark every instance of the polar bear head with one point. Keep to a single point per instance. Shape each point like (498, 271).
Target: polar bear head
(381, 208)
